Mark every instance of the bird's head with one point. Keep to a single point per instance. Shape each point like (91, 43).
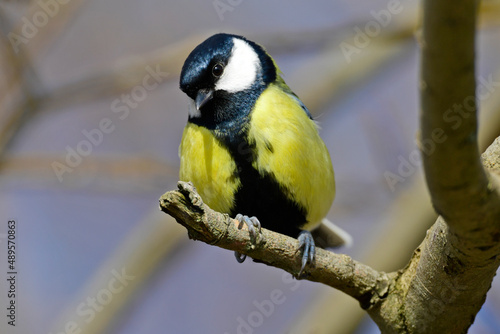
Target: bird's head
(223, 66)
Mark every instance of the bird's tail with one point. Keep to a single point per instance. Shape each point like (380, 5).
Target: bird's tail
(327, 234)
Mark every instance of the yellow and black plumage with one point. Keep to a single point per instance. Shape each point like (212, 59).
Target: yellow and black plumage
(251, 147)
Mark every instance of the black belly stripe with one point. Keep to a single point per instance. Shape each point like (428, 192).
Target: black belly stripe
(261, 195)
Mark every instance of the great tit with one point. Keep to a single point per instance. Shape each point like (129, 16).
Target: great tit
(252, 149)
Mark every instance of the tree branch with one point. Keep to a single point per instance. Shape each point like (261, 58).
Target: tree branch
(445, 284)
(463, 192)
(336, 270)
(456, 179)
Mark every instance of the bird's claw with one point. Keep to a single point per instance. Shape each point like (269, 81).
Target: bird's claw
(306, 242)
(240, 257)
(253, 225)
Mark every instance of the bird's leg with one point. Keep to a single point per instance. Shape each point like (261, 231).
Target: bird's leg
(306, 242)
(252, 223)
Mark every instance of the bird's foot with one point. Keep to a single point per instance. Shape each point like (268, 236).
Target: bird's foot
(306, 243)
(253, 225)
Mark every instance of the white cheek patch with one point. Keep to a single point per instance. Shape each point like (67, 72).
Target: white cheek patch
(193, 112)
(241, 70)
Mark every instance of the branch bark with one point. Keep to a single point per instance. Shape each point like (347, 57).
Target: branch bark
(336, 270)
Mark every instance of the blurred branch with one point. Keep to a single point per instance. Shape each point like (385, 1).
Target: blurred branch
(128, 174)
(334, 77)
(63, 16)
(19, 100)
(18, 104)
(336, 270)
(127, 73)
(489, 117)
(130, 70)
(336, 73)
(136, 259)
(24, 94)
(489, 13)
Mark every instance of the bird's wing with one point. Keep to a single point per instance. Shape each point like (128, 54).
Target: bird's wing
(289, 147)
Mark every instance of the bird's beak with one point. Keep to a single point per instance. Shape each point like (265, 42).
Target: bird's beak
(203, 96)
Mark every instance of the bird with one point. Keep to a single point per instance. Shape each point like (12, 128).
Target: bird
(251, 147)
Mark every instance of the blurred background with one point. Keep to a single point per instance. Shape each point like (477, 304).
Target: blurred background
(90, 122)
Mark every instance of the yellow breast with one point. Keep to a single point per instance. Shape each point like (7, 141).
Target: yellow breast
(209, 166)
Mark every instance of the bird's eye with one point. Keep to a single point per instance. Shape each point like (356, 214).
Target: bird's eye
(217, 70)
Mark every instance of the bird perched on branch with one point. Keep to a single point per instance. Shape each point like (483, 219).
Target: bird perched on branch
(251, 147)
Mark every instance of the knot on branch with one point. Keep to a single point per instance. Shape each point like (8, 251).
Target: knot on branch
(188, 189)
(188, 209)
